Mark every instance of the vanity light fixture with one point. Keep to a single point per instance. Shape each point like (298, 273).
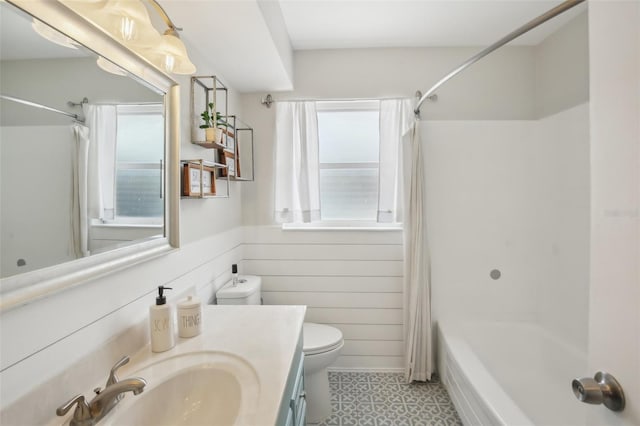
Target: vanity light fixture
(129, 22)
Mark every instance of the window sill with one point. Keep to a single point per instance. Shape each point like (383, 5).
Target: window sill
(99, 224)
(342, 226)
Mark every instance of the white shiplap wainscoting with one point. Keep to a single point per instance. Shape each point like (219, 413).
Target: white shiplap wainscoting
(351, 279)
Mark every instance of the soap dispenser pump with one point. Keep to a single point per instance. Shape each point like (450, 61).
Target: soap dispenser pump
(161, 323)
(234, 275)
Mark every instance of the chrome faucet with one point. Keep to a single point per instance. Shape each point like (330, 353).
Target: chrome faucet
(105, 399)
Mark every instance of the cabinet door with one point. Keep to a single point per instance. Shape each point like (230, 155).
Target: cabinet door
(290, 418)
(298, 401)
(302, 412)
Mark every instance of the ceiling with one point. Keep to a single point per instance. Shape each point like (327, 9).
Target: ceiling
(251, 43)
(332, 24)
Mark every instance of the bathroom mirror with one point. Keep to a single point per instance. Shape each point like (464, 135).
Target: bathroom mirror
(88, 151)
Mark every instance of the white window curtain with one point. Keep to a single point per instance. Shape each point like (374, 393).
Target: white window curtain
(297, 175)
(102, 123)
(397, 123)
(396, 117)
(79, 204)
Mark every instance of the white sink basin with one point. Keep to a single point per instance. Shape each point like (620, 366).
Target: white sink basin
(212, 388)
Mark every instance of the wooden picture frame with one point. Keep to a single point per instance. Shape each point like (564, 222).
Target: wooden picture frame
(233, 167)
(191, 180)
(229, 158)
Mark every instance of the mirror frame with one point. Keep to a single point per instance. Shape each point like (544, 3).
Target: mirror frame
(30, 286)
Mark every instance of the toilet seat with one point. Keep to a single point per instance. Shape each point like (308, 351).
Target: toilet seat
(318, 338)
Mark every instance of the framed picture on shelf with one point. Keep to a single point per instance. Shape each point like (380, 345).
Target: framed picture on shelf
(231, 165)
(227, 158)
(193, 176)
(231, 161)
(228, 139)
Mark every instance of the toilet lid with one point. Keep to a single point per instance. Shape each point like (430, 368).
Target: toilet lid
(319, 338)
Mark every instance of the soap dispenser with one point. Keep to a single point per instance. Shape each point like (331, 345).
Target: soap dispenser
(161, 323)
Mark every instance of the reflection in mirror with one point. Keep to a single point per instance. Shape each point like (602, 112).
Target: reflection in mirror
(84, 175)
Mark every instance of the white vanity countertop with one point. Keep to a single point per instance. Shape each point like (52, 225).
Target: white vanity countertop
(264, 336)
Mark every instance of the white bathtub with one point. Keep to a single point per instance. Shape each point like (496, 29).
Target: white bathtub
(513, 374)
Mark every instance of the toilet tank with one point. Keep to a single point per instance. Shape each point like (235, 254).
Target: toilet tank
(246, 292)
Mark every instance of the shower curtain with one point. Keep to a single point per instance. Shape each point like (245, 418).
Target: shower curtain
(399, 133)
(417, 289)
(79, 200)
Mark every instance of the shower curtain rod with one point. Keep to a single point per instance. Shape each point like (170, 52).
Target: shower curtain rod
(86, 101)
(128, 103)
(33, 104)
(563, 7)
(267, 100)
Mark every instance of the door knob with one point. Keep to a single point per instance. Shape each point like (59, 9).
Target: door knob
(602, 389)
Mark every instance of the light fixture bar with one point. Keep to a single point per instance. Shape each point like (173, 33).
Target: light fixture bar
(165, 17)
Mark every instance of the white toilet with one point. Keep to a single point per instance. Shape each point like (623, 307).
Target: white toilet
(321, 346)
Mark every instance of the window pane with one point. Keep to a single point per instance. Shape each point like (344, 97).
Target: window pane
(348, 136)
(140, 148)
(349, 194)
(139, 193)
(140, 138)
(349, 154)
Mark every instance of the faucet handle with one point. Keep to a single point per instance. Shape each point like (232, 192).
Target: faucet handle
(113, 379)
(82, 412)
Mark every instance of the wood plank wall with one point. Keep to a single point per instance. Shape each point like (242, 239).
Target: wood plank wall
(349, 279)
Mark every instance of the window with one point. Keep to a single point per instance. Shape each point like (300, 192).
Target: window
(139, 152)
(349, 142)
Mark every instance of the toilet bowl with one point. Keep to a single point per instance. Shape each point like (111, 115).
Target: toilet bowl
(321, 346)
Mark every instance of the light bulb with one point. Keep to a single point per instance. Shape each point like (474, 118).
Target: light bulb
(128, 21)
(127, 28)
(169, 62)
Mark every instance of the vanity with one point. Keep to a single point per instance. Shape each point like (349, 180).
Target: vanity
(244, 369)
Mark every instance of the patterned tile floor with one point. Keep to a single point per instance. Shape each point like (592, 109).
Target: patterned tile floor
(383, 399)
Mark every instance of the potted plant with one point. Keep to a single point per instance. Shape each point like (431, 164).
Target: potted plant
(212, 120)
